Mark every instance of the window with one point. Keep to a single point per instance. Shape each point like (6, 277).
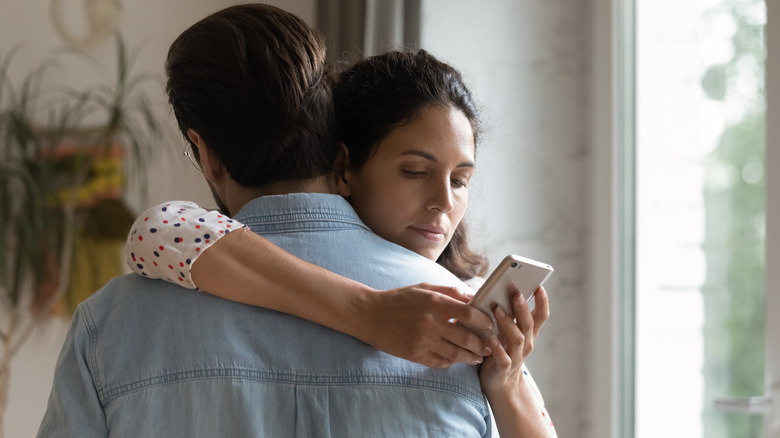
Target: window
(699, 216)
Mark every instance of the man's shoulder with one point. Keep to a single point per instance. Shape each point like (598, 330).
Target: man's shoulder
(127, 284)
(325, 230)
(381, 264)
(130, 296)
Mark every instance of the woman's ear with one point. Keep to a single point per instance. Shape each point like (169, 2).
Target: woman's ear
(342, 169)
(212, 168)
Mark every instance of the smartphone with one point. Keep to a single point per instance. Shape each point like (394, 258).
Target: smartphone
(514, 274)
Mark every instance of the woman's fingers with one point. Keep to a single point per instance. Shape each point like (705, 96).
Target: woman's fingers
(450, 291)
(472, 324)
(467, 315)
(509, 334)
(450, 354)
(541, 310)
(463, 338)
(504, 367)
(420, 326)
(500, 357)
(525, 322)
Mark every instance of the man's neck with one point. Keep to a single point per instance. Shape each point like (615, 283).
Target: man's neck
(238, 196)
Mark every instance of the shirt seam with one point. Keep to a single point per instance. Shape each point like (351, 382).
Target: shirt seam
(91, 330)
(351, 379)
(284, 219)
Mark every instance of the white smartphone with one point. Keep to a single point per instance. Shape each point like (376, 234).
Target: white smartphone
(514, 274)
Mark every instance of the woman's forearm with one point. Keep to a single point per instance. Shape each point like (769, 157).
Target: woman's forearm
(518, 413)
(180, 242)
(186, 245)
(247, 268)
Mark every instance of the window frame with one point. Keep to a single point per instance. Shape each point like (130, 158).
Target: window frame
(625, 119)
(772, 282)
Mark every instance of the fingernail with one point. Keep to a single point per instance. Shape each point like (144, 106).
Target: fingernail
(500, 312)
(477, 361)
(521, 299)
(494, 340)
(487, 351)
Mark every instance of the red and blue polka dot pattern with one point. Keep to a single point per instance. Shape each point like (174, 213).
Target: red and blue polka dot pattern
(166, 239)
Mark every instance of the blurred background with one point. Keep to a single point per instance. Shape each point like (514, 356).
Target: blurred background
(626, 145)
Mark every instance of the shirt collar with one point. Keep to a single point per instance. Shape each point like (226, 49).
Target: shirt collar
(299, 207)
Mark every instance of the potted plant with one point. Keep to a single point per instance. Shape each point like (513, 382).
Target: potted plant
(59, 179)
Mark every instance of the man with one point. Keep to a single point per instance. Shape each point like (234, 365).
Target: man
(145, 358)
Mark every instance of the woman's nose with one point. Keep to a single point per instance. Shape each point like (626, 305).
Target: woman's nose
(441, 197)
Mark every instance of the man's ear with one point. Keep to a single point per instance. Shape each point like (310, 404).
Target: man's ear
(212, 168)
(342, 169)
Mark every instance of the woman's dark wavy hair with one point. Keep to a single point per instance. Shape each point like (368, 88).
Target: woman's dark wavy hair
(377, 94)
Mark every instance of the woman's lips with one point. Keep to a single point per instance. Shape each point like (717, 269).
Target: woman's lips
(433, 233)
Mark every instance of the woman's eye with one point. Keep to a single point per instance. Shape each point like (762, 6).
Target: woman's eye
(460, 179)
(413, 173)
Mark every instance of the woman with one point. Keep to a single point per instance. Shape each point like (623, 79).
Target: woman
(408, 127)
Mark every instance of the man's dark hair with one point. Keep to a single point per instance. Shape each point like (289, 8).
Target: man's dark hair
(251, 81)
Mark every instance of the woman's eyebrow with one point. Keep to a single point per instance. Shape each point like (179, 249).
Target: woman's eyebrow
(430, 157)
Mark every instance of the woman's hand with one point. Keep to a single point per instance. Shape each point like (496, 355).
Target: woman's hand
(416, 323)
(517, 411)
(515, 341)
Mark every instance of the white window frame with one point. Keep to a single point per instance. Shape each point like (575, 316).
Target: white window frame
(773, 217)
(608, 406)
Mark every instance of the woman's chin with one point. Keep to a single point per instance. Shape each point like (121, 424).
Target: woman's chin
(431, 252)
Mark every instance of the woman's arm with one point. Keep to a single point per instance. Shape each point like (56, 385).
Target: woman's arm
(198, 248)
(516, 403)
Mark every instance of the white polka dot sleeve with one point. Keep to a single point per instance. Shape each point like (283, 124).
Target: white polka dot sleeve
(166, 239)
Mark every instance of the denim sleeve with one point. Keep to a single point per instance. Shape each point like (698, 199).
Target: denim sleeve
(74, 408)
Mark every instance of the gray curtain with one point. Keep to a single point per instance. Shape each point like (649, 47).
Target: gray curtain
(343, 23)
(358, 28)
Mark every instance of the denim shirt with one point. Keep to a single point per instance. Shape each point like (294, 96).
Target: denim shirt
(145, 358)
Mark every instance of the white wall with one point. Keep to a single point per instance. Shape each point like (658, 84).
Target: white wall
(529, 64)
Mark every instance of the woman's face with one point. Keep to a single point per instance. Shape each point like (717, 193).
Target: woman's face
(413, 190)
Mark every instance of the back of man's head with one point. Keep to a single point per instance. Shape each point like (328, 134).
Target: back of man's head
(251, 81)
